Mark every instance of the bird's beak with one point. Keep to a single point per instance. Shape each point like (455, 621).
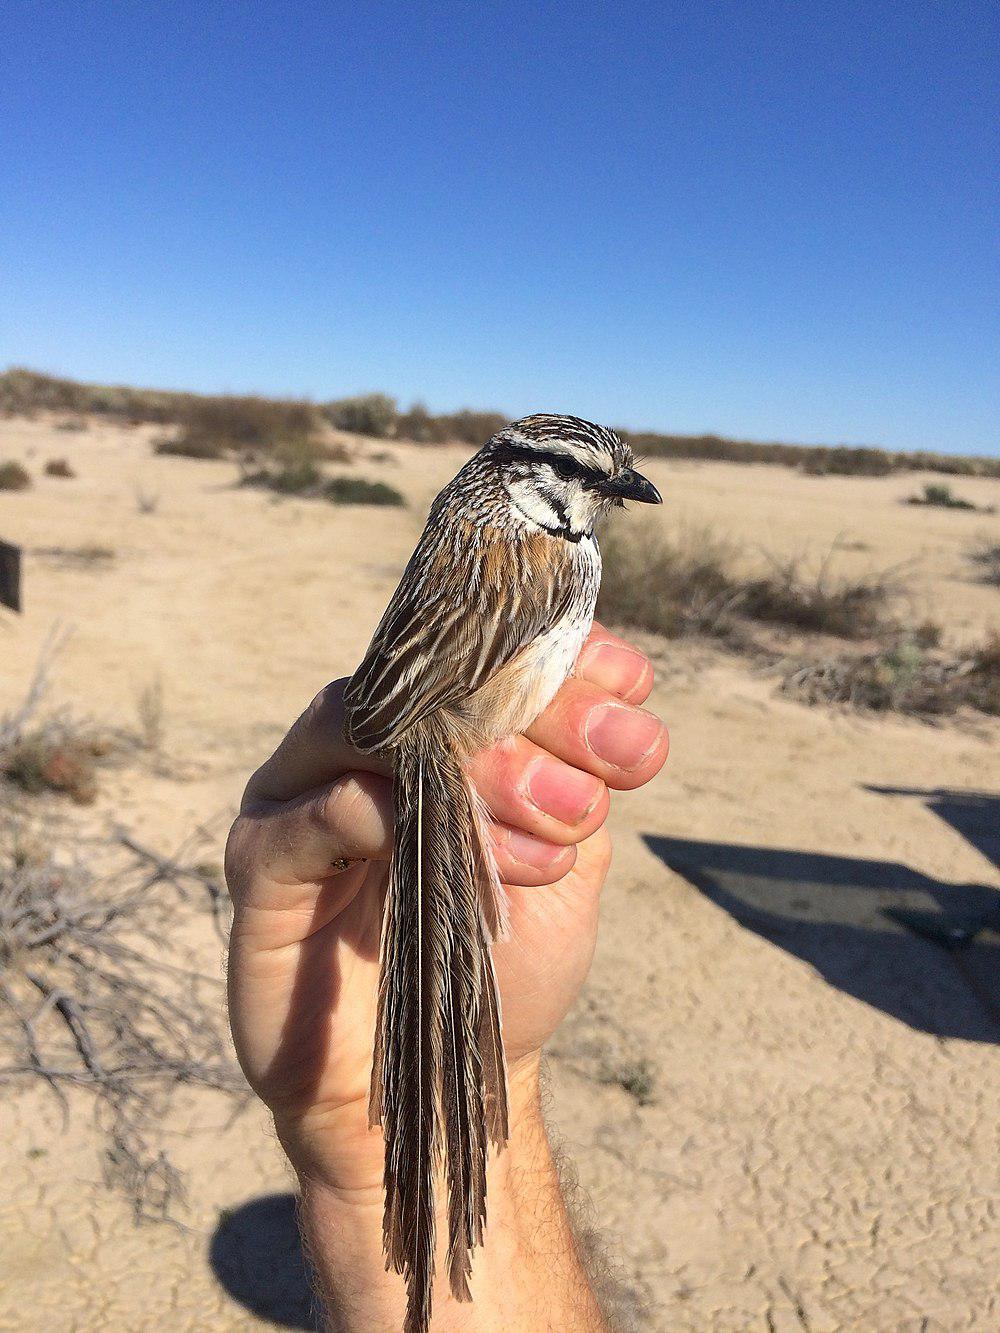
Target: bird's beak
(631, 485)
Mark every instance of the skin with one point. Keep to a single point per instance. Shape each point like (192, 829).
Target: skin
(307, 863)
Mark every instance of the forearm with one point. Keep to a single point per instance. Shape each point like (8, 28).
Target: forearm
(527, 1276)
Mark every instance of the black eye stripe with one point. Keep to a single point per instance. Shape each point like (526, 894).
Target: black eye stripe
(564, 465)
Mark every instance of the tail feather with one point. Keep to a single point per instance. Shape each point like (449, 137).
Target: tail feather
(438, 1081)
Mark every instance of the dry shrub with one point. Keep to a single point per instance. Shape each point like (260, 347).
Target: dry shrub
(904, 676)
(938, 495)
(58, 467)
(214, 427)
(57, 756)
(303, 478)
(816, 602)
(464, 427)
(370, 414)
(91, 1000)
(669, 583)
(26, 391)
(359, 491)
(293, 478)
(684, 582)
(986, 554)
(52, 753)
(14, 476)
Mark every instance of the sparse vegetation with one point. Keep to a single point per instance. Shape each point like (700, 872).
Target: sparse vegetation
(904, 676)
(304, 478)
(54, 752)
(149, 713)
(685, 583)
(817, 603)
(986, 555)
(224, 424)
(88, 1000)
(58, 467)
(636, 1077)
(88, 556)
(14, 476)
(939, 496)
(185, 446)
(214, 427)
(301, 478)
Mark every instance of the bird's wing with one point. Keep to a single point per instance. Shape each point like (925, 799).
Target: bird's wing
(469, 601)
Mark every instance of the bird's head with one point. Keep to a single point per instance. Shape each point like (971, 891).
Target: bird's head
(563, 473)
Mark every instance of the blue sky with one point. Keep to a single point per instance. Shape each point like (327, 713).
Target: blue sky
(776, 221)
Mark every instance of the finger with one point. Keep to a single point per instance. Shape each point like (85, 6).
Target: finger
(531, 790)
(275, 848)
(588, 728)
(313, 754)
(526, 861)
(615, 665)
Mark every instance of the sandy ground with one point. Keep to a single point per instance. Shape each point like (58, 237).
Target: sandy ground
(782, 1103)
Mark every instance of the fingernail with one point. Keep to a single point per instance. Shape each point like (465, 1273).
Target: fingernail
(563, 792)
(619, 670)
(533, 852)
(622, 736)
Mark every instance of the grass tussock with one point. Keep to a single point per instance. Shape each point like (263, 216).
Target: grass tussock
(14, 476)
(686, 582)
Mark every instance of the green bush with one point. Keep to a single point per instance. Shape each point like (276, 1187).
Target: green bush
(294, 478)
(358, 491)
(938, 495)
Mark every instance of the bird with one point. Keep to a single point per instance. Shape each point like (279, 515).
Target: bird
(490, 614)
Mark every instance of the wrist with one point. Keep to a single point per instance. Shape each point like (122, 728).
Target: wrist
(341, 1217)
(332, 1148)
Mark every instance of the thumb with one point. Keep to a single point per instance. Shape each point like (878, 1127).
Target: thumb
(276, 848)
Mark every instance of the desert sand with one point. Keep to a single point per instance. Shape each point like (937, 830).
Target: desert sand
(811, 1140)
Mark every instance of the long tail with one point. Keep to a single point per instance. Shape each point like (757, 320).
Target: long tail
(439, 1085)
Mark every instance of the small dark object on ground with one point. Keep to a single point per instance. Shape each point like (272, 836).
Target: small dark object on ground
(14, 476)
(58, 467)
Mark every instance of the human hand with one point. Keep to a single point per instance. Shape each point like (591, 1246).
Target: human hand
(307, 863)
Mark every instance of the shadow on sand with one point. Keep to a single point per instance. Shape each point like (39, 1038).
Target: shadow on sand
(256, 1255)
(921, 949)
